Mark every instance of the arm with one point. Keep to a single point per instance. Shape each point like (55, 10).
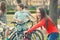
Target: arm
(19, 20)
(2, 23)
(15, 18)
(41, 23)
(30, 15)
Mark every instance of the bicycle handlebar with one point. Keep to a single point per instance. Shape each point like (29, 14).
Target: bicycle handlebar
(22, 23)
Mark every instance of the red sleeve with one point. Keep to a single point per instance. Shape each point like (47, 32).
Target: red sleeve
(41, 23)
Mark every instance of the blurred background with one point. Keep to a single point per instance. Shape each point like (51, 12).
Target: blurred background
(32, 4)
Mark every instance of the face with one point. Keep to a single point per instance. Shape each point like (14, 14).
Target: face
(38, 12)
(19, 8)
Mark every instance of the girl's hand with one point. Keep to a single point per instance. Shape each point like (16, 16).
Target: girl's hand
(25, 32)
(3, 24)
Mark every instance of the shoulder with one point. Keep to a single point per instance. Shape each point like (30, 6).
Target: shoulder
(26, 11)
(16, 12)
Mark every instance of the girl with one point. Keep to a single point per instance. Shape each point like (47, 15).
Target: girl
(48, 24)
(3, 19)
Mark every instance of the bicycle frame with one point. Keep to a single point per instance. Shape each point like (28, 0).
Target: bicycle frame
(3, 32)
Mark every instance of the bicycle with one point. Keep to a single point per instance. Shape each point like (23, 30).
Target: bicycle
(2, 32)
(20, 35)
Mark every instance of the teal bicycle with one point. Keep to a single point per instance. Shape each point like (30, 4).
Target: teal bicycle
(19, 35)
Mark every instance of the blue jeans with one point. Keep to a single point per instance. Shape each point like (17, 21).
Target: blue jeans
(53, 36)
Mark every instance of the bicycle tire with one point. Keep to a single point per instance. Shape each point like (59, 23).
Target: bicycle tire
(40, 34)
(35, 36)
(14, 37)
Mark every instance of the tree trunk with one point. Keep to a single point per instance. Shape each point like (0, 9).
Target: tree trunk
(27, 2)
(3, 0)
(53, 10)
(18, 1)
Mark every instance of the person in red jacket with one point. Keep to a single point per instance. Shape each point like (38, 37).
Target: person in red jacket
(47, 23)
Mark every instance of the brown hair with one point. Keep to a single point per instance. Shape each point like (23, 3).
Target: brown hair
(3, 7)
(21, 5)
(43, 15)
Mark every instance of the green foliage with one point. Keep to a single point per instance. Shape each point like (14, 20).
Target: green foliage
(33, 11)
(9, 7)
(31, 7)
(58, 6)
(12, 12)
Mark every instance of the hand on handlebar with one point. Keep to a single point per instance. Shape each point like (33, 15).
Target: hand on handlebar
(25, 32)
(3, 24)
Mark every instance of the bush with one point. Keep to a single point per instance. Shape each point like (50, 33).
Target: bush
(9, 7)
(31, 7)
(58, 6)
(33, 11)
(12, 12)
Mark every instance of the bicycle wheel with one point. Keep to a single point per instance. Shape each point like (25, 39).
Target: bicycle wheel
(35, 36)
(19, 36)
(12, 34)
(40, 34)
(2, 36)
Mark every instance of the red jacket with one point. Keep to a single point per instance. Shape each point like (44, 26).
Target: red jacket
(51, 26)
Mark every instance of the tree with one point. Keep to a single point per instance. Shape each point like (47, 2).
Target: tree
(53, 10)
(18, 1)
(3, 0)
